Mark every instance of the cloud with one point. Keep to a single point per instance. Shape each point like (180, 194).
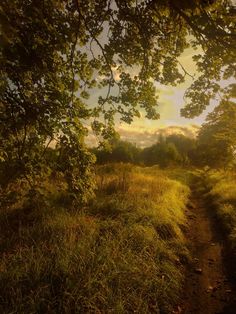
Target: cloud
(189, 131)
(144, 137)
(144, 132)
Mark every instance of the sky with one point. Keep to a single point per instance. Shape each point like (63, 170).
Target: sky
(144, 132)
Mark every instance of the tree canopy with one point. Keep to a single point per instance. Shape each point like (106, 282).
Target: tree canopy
(119, 151)
(162, 153)
(217, 137)
(54, 53)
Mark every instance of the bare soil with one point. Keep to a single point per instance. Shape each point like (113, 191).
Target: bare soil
(208, 288)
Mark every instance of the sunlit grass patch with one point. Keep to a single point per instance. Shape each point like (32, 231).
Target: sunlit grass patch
(151, 212)
(222, 192)
(120, 254)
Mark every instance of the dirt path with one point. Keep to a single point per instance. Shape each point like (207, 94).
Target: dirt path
(207, 289)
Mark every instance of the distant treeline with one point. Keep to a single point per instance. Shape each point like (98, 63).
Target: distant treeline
(173, 150)
(215, 145)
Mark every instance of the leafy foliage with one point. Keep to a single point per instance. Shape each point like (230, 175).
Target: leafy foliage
(175, 149)
(54, 53)
(162, 153)
(117, 151)
(217, 137)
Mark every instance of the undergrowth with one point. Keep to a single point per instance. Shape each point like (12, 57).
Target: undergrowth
(123, 253)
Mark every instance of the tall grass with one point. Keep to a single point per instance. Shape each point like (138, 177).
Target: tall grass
(221, 185)
(120, 254)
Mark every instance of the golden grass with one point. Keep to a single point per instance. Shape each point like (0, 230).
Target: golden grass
(120, 254)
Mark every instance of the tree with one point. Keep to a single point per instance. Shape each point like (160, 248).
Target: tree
(162, 153)
(217, 137)
(184, 145)
(119, 151)
(55, 52)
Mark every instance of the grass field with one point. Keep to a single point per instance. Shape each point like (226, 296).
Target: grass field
(221, 186)
(121, 253)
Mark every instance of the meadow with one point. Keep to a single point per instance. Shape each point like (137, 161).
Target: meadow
(103, 209)
(123, 252)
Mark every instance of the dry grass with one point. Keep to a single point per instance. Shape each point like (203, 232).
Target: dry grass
(121, 254)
